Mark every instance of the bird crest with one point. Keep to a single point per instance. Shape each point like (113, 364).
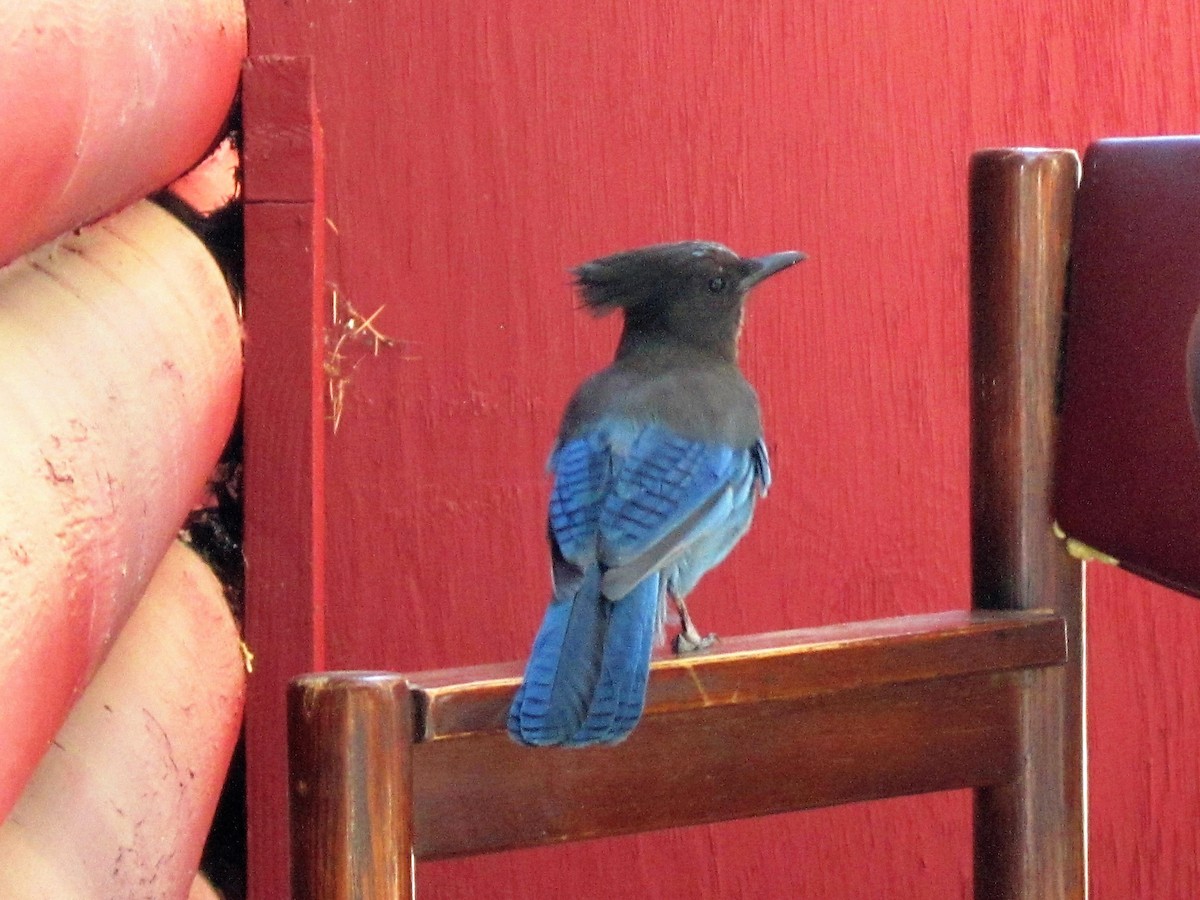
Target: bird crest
(633, 278)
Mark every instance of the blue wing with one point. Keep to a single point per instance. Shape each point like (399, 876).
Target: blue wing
(635, 510)
(711, 547)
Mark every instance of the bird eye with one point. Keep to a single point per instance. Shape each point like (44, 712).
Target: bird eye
(716, 285)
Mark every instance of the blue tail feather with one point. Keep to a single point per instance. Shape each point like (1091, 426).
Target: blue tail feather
(563, 667)
(586, 678)
(620, 693)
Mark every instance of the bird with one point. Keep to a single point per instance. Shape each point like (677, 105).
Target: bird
(657, 466)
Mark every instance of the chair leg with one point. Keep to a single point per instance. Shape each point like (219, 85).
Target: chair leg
(1030, 833)
(350, 739)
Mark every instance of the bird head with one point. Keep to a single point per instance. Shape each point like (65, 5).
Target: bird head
(691, 292)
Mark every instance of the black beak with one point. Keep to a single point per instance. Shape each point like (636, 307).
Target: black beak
(765, 266)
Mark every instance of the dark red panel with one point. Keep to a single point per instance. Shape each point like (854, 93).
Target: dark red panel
(1128, 478)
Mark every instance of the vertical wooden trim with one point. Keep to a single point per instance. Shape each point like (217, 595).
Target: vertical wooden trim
(1030, 834)
(284, 433)
(350, 738)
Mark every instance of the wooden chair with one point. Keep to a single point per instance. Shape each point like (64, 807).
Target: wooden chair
(383, 765)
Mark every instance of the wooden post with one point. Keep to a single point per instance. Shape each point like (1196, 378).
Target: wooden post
(284, 432)
(350, 738)
(1030, 833)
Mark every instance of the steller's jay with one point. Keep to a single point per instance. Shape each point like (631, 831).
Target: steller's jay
(658, 463)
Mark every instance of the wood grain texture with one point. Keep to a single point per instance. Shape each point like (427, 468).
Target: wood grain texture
(784, 665)
(350, 749)
(764, 725)
(729, 762)
(1030, 834)
(476, 151)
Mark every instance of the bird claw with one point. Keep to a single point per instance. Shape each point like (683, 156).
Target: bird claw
(685, 644)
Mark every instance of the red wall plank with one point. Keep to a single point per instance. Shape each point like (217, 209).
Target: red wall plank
(478, 150)
(285, 530)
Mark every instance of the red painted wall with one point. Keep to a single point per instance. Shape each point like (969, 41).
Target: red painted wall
(477, 150)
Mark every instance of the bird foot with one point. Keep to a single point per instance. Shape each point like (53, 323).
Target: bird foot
(692, 643)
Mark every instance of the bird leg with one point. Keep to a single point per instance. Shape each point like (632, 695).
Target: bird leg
(689, 640)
